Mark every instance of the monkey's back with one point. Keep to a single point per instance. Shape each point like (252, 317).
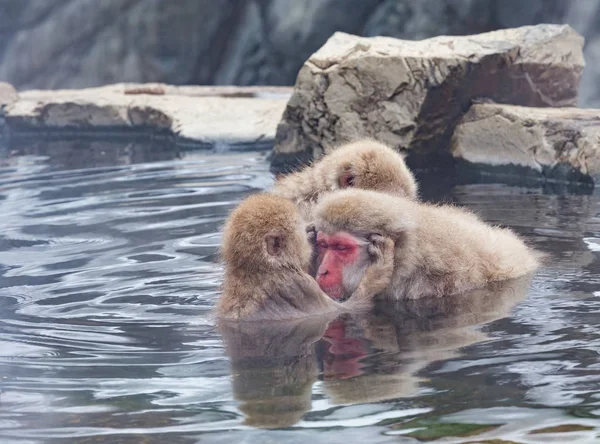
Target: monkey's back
(458, 251)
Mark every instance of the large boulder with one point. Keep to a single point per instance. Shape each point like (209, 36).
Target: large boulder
(411, 94)
(551, 143)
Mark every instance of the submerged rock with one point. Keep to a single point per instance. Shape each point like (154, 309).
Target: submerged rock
(193, 115)
(411, 94)
(554, 143)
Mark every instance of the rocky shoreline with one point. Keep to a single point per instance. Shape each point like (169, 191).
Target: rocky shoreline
(192, 116)
(502, 101)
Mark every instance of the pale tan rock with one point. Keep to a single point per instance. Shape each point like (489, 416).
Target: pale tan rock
(194, 114)
(411, 94)
(8, 95)
(557, 143)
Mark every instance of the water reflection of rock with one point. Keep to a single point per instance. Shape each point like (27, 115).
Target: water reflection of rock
(365, 358)
(81, 153)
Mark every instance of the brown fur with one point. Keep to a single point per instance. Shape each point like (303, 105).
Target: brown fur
(266, 280)
(440, 249)
(372, 165)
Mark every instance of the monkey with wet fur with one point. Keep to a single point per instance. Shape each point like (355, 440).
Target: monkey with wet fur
(364, 164)
(439, 249)
(266, 252)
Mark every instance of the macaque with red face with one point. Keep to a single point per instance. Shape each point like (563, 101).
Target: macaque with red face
(439, 249)
(267, 253)
(364, 164)
(339, 257)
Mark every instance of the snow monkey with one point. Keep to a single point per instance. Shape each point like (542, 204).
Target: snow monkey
(267, 253)
(364, 164)
(439, 249)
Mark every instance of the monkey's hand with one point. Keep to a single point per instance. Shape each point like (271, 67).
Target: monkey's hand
(376, 246)
(311, 234)
(378, 275)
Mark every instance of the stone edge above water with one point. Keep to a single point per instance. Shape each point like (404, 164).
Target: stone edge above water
(189, 115)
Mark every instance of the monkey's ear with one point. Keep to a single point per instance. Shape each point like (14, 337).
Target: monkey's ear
(346, 179)
(274, 244)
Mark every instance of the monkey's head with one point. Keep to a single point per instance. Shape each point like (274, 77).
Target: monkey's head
(265, 232)
(369, 165)
(344, 220)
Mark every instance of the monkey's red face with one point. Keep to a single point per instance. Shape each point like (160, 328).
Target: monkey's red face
(337, 253)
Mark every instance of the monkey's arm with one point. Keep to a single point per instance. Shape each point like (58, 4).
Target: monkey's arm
(315, 300)
(378, 275)
(311, 235)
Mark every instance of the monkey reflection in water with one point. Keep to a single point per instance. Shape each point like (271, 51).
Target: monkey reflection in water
(364, 357)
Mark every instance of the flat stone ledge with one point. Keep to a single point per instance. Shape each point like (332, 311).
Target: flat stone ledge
(8, 95)
(554, 143)
(203, 115)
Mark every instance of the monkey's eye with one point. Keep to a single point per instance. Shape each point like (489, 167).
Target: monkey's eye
(339, 247)
(350, 181)
(322, 245)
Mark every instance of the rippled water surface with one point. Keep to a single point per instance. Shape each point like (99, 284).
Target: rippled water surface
(108, 273)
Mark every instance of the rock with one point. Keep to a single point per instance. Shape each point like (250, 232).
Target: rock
(112, 41)
(195, 115)
(261, 42)
(241, 42)
(274, 37)
(8, 95)
(411, 94)
(427, 18)
(553, 143)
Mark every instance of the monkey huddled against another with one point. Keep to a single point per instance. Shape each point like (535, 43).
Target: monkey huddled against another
(267, 254)
(439, 249)
(355, 205)
(364, 164)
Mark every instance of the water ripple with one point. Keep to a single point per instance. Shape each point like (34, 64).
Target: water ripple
(108, 274)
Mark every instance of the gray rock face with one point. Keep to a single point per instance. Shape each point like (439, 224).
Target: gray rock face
(555, 143)
(78, 43)
(410, 95)
(83, 43)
